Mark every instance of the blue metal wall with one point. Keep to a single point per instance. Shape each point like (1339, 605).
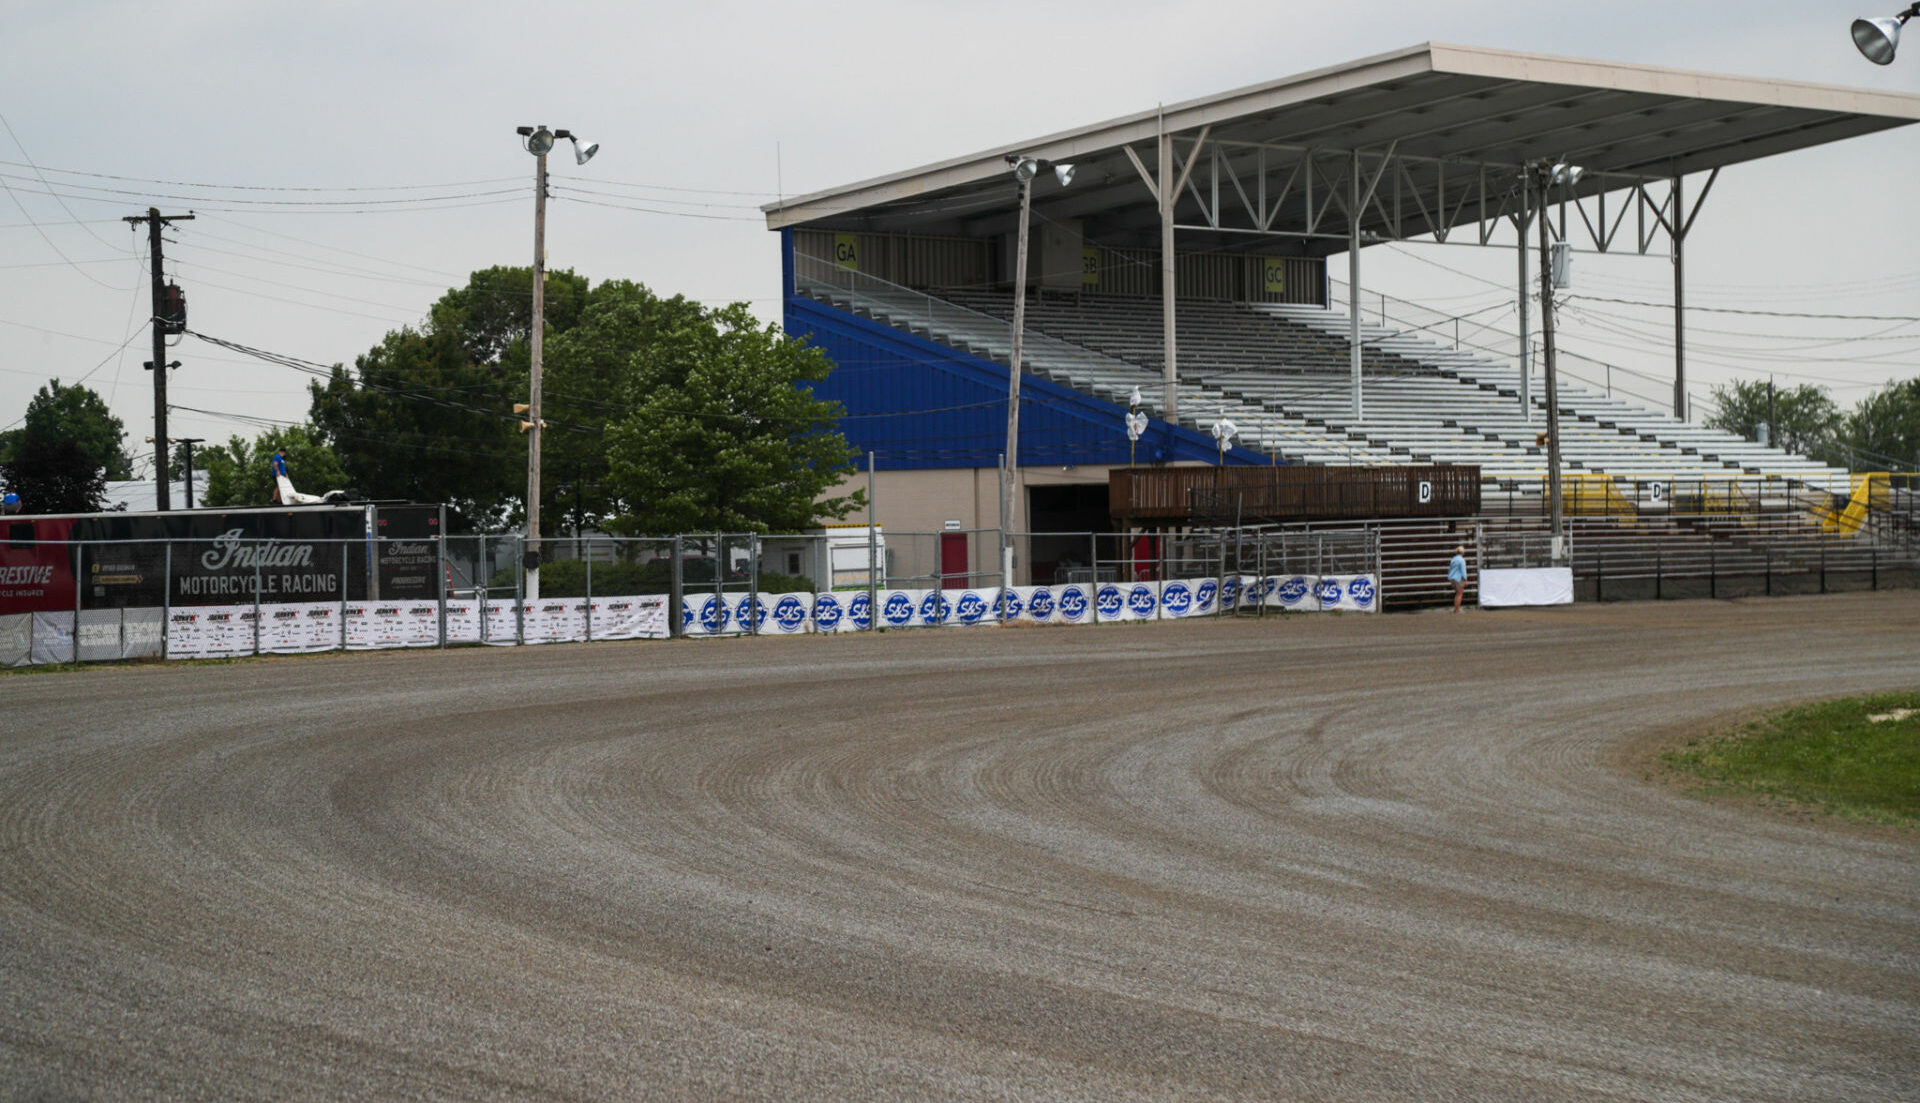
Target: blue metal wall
(919, 404)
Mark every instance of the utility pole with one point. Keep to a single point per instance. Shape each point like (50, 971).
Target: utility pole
(189, 442)
(165, 321)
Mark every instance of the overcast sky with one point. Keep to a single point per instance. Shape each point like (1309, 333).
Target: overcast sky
(397, 121)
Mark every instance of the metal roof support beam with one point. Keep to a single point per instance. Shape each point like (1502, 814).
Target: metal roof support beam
(1168, 191)
(1526, 339)
(1353, 285)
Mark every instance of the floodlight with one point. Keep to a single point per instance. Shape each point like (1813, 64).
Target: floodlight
(1563, 173)
(1024, 168)
(582, 153)
(1878, 38)
(540, 141)
(1064, 174)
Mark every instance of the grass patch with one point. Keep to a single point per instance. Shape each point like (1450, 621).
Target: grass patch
(1829, 756)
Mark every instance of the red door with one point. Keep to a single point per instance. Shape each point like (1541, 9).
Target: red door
(953, 560)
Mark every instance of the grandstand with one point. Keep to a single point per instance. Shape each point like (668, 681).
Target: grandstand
(1184, 270)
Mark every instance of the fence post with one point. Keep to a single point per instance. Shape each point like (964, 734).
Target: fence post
(676, 592)
(579, 546)
(1823, 565)
(256, 598)
(753, 584)
(1658, 577)
(79, 581)
(1769, 554)
(1600, 576)
(343, 595)
(719, 561)
(1876, 569)
(1713, 572)
(480, 592)
(873, 554)
(442, 574)
(166, 600)
(520, 592)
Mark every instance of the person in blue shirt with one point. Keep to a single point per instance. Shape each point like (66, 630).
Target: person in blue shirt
(1457, 574)
(10, 502)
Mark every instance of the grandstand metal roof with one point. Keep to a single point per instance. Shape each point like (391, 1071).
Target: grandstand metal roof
(1433, 136)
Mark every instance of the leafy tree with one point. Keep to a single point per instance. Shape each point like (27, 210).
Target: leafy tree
(495, 310)
(55, 475)
(720, 435)
(427, 414)
(584, 372)
(1884, 429)
(238, 472)
(79, 415)
(1804, 419)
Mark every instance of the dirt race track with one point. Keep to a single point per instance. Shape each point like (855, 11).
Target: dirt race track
(1404, 857)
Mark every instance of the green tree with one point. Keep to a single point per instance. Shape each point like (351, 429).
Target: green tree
(1884, 429)
(494, 311)
(1804, 419)
(77, 414)
(427, 414)
(55, 475)
(417, 419)
(720, 433)
(585, 368)
(238, 472)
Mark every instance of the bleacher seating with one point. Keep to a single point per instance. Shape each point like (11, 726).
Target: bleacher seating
(1282, 373)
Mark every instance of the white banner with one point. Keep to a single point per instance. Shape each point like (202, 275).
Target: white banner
(502, 623)
(623, 618)
(1297, 593)
(294, 628)
(554, 620)
(841, 611)
(708, 614)
(1526, 586)
(1350, 593)
(1126, 601)
(972, 607)
(207, 631)
(463, 622)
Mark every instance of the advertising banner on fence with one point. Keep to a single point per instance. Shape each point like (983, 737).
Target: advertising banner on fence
(1126, 601)
(463, 622)
(625, 618)
(210, 631)
(1350, 593)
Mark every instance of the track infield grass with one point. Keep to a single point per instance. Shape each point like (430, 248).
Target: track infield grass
(1833, 757)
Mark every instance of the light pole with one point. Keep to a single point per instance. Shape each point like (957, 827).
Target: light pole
(1024, 170)
(1879, 38)
(1544, 176)
(538, 141)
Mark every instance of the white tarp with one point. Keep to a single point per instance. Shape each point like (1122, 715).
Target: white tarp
(16, 639)
(52, 638)
(1501, 587)
(142, 631)
(98, 635)
(1049, 605)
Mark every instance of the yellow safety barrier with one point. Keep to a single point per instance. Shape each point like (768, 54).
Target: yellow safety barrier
(1595, 496)
(1866, 486)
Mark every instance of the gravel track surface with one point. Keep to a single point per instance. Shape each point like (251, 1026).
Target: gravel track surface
(1353, 858)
